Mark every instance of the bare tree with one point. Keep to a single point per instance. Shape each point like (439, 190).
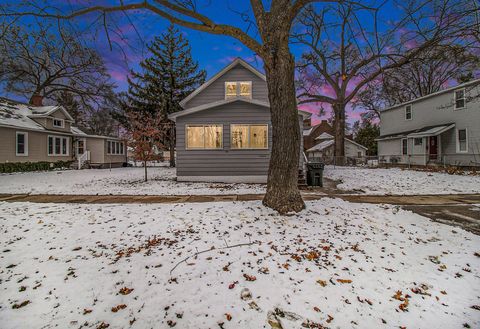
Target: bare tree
(355, 49)
(38, 62)
(269, 40)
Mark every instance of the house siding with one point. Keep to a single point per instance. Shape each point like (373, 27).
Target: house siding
(216, 91)
(435, 110)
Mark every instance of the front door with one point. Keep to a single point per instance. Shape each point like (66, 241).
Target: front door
(433, 147)
(80, 147)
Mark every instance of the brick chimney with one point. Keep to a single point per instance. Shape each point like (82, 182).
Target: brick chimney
(36, 100)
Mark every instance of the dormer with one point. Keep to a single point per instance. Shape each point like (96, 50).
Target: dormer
(52, 117)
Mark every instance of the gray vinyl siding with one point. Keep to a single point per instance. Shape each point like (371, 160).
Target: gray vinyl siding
(216, 91)
(436, 110)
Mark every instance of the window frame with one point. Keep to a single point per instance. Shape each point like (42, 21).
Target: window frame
(455, 99)
(457, 138)
(411, 112)
(63, 139)
(401, 146)
(187, 125)
(115, 147)
(237, 89)
(248, 135)
(62, 123)
(25, 144)
(415, 141)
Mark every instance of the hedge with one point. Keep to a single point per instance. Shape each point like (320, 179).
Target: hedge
(10, 167)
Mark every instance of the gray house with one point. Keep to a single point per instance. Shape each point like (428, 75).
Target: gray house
(440, 128)
(224, 133)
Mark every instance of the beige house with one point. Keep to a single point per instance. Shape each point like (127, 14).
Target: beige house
(324, 149)
(47, 133)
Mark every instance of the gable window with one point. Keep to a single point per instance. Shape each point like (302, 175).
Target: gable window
(58, 123)
(21, 144)
(115, 148)
(404, 146)
(459, 99)
(238, 89)
(462, 142)
(408, 112)
(58, 145)
(418, 141)
(204, 136)
(249, 136)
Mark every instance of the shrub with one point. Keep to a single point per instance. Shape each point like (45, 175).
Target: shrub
(10, 167)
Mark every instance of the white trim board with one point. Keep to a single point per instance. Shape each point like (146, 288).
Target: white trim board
(255, 179)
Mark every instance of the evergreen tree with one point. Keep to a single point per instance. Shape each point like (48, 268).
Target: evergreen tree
(168, 76)
(365, 134)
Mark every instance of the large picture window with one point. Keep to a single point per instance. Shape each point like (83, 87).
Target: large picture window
(58, 145)
(249, 136)
(204, 136)
(115, 148)
(21, 147)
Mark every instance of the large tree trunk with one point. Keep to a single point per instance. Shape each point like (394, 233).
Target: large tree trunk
(339, 123)
(283, 194)
(172, 145)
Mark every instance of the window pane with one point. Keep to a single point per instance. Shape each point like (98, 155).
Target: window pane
(418, 141)
(64, 146)
(462, 139)
(50, 145)
(230, 89)
(213, 137)
(258, 137)
(57, 145)
(109, 147)
(239, 136)
(404, 146)
(245, 89)
(195, 137)
(459, 103)
(121, 148)
(20, 143)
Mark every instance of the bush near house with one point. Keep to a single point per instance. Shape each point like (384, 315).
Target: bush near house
(11, 167)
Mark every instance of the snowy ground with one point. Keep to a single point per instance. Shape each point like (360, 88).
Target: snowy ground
(337, 264)
(115, 181)
(401, 182)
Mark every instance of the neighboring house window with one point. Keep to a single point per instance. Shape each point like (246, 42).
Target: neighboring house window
(408, 112)
(459, 99)
(204, 136)
(115, 148)
(21, 144)
(58, 145)
(249, 136)
(59, 123)
(404, 146)
(238, 89)
(418, 141)
(462, 143)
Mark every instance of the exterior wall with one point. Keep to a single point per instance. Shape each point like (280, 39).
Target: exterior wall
(352, 150)
(98, 152)
(436, 110)
(216, 91)
(309, 141)
(48, 122)
(37, 146)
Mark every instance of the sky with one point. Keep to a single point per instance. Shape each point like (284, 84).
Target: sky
(130, 32)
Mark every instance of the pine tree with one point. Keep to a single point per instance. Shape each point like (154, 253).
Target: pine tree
(168, 76)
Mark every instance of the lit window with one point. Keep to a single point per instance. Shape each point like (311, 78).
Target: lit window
(246, 89)
(418, 141)
(404, 146)
(21, 148)
(408, 112)
(58, 145)
(459, 99)
(462, 140)
(230, 89)
(204, 136)
(238, 89)
(249, 136)
(59, 123)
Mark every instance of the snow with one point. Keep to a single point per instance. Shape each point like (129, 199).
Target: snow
(126, 181)
(401, 181)
(70, 262)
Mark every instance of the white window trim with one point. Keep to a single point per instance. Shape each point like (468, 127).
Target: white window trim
(401, 145)
(121, 147)
(455, 99)
(411, 112)
(238, 89)
(248, 136)
(458, 140)
(202, 125)
(25, 146)
(62, 123)
(61, 146)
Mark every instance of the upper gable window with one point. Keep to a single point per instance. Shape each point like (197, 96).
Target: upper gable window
(459, 99)
(59, 123)
(408, 112)
(238, 89)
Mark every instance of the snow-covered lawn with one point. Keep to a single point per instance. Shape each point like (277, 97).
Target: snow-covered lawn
(115, 181)
(401, 181)
(337, 264)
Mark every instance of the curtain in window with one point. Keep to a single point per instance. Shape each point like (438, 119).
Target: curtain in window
(258, 137)
(239, 136)
(245, 89)
(213, 137)
(195, 137)
(231, 89)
